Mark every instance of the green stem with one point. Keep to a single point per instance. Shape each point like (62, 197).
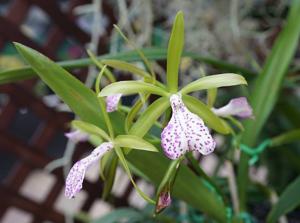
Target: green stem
(106, 117)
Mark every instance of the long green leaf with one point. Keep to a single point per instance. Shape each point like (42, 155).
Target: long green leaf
(289, 199)
(13, 75)
(134, 142)
(206, 114)
(266, 89)
(81, 99)
(174, 52)
(214, 81)
(288, 137)
(131, 87)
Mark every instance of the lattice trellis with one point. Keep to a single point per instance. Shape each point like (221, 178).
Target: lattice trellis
(31, 153)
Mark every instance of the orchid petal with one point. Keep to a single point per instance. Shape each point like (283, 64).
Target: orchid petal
(198, 136)
(185, 132)
(76, 175)
(77, 136)
(236, 107)
(112, 102)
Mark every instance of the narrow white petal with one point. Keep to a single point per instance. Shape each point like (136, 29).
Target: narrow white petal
(76, 175)
(236, 107)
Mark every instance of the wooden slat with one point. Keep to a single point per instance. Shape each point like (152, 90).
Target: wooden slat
(14, 199)
(31, 154)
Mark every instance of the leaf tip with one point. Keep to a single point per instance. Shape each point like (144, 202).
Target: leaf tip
(116, 27)
(180, 14)
(18, 45)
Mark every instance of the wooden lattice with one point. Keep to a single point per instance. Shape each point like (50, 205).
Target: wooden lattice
(31, 153)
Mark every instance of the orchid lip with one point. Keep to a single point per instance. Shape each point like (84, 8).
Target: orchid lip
(185, 132)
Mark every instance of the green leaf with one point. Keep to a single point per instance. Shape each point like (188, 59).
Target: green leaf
(214, 81)
(266, 89)
(80, 99)
(269, 82)
(221, 65)
(206, 114)
(149, 116)
(124, 66)
(174, 52)
(287, 137)
(134, 142)
(131, 87)
(288, 201)
(13, 75)
(90, 129)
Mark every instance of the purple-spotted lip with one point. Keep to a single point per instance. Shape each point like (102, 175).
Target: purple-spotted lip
(185, 132)
(169, 155)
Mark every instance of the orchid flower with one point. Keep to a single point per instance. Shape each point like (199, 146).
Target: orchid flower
(77, 136)
(112, 102)
(76, 175)
(185, 132)
(237, 107)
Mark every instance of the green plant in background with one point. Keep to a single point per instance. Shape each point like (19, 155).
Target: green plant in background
(122, 133)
